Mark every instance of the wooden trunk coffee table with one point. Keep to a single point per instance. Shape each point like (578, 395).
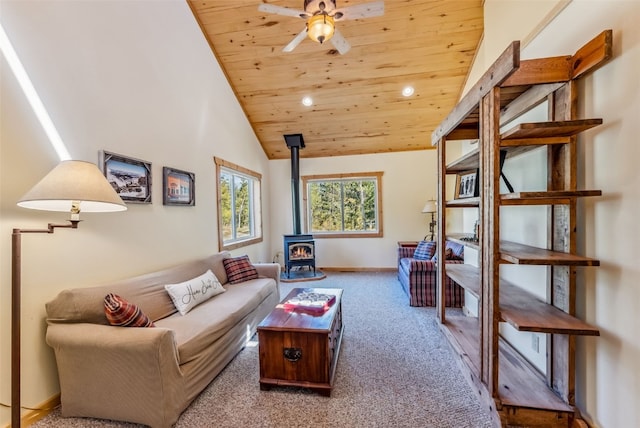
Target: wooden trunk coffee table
(299, 347)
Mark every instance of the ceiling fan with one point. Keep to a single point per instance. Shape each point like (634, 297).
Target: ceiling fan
(321, 16)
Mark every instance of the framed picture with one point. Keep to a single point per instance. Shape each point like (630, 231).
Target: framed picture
(178, 187)
(130, 178)
(467, 185)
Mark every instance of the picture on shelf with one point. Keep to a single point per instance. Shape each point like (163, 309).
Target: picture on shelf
(178, 187)
(467, 185)
(129, 177)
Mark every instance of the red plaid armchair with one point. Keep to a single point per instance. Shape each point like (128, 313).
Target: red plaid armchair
(418, 279)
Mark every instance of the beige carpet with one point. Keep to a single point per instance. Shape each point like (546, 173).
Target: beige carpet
(395, 370)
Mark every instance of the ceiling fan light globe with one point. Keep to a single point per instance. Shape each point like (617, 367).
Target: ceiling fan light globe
(320, 28)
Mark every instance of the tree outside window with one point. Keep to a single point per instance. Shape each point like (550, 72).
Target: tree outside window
(344, 205)
(239, 211)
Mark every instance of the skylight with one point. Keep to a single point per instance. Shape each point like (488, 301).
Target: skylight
(32, 96)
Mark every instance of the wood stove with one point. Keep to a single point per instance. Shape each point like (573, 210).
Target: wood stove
(299, 248)
(299, 251)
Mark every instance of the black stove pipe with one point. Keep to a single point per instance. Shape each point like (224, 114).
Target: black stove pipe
(295, 142)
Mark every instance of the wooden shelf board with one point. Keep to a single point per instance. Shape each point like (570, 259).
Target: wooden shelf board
(556, 197)
(459, 238)
(521, 309)
(467, 162)
(525, 312)
(521, 385)
(464, 203)
(526, 255)
(551, 194)
(525, 137)
(464, 335)
(565, 128)
(466, 275)
(531, 143)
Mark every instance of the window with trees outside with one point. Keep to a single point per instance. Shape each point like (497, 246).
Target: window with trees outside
(343, 205)
(239, 208)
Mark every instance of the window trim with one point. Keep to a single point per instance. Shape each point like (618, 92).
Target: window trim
(257, 211)
(354, 175)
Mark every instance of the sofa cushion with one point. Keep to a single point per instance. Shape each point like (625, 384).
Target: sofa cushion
(188, 294)
(121, 313)
(425, 250)
(239, 269)
(209, 321)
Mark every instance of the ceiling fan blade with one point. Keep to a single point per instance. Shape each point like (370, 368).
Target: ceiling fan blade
(366, 10)
(296, 41)
(339, 42)
(285, 11)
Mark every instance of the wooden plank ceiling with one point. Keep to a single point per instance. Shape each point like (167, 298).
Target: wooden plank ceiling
(358, 107)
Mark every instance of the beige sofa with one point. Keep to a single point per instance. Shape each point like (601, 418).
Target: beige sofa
(150, 375)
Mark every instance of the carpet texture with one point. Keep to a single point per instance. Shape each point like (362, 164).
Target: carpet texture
(395, 369)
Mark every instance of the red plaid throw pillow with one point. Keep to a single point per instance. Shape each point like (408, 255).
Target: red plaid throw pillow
(124, 314)
(239, 269)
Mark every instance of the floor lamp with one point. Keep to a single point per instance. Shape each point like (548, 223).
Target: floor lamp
(430, 208)
(72, 186)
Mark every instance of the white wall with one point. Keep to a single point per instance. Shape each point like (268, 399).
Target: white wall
(138, 78)
(409, 180)
(608, 375)
(135, 78)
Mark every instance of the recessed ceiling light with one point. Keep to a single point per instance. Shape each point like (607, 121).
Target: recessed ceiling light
(407, 91)
(307, 101)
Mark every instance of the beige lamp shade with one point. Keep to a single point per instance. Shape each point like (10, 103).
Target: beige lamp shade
(430, 207)
(71, 183)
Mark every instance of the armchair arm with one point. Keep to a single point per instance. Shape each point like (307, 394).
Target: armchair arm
(422, 265)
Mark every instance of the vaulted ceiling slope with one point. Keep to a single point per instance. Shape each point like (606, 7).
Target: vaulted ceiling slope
(358, 107)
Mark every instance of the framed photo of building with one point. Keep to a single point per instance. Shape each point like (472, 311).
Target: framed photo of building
(178, 187)
(467, 185)
(129, 177)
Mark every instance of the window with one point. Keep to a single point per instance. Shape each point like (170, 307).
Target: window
(239, 208)
(344, 205)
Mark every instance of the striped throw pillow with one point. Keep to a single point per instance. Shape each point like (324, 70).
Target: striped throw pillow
(425, 250)
(239, 269)
(121, 313)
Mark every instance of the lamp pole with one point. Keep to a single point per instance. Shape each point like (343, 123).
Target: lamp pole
(16, 311)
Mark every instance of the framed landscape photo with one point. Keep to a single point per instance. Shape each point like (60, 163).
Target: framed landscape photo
(467, 185)
(129, 177)
(178, 187)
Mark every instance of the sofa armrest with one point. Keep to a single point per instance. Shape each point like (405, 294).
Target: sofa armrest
(270, 270)
(121, 373)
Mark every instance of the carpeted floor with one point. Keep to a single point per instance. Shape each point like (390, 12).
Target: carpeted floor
(395, 370)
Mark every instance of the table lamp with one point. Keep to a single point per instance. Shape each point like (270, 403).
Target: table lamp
(72, 186)
(431, 207)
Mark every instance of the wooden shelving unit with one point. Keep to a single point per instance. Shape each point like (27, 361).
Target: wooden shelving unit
(517, 393)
